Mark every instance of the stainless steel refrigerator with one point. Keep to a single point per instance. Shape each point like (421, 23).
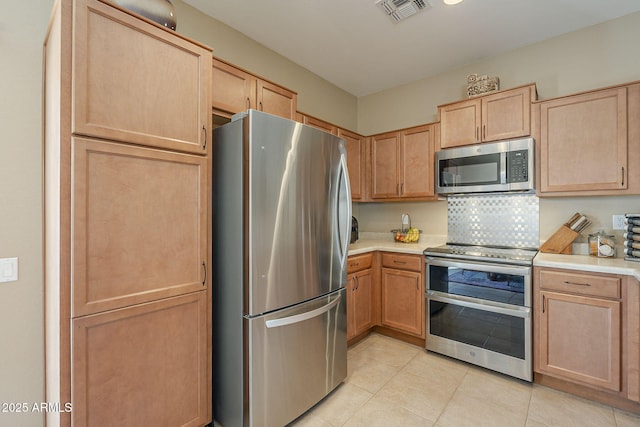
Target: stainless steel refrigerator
(281, 229)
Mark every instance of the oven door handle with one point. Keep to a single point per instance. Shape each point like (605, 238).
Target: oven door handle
(493, 307)
(480, 266)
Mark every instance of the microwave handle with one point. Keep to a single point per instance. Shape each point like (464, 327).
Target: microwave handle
(503, 167)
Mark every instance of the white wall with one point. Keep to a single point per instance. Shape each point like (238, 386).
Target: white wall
(598, 56)
(315, 95)
(22, 30)
(595, 57)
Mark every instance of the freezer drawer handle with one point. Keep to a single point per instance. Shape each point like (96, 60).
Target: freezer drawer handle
(302, 317)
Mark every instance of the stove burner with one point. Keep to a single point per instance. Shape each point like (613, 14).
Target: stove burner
(484, 253)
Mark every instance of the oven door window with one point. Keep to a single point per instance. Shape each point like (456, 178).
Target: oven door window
(491, 286)
(468, 171)
(497, 332)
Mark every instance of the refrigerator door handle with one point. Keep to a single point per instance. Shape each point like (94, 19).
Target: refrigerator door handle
(344, 220)
(274, 323)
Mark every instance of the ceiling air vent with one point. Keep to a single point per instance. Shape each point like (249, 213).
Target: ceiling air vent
(399, 10)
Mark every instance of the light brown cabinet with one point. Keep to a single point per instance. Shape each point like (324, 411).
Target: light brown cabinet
(584, 143)
(127, 247)
(119, 93)
(579, 319)
(156, 376)
(236, 90)
(317, 123)
(137, 234)
(356, 156)
(402, 164)
(360, 295)
(402, 293)
(501, 115)
(233, 89)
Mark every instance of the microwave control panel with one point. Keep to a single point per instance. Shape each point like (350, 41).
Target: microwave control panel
(517, 166)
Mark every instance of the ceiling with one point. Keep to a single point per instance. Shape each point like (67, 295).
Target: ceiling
(354, 45)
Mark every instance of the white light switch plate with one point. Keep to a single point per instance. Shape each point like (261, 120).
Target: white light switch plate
(8, 269)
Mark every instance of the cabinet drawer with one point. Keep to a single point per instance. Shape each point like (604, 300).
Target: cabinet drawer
(583, 284)
(359, 262)
(403, 262)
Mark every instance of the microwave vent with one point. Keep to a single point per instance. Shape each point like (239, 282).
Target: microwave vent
(399, 10)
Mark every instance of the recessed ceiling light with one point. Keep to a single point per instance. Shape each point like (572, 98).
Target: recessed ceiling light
(451, 2)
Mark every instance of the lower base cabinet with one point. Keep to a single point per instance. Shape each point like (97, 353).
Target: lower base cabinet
(580, 339)
(360, 299)
(587, 335)
(385, 291)
(119, 356)
(360, 295)
(402, 289)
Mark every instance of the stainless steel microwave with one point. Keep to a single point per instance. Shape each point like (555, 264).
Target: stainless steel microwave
(483, 168)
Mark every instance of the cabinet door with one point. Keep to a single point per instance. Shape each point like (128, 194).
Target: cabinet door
(355, 162)
(583, 142)
(416, 152)
(319, 124)
(579, 339)
(135, 82)
(139, 221)
(233, 90)
(142, 365)
(506, 114)
(276, 100)
(402, 300)
(363, 302)
(460, 123)
(385, 165)
(351, 308)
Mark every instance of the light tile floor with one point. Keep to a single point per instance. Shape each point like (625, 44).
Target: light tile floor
(391, 383)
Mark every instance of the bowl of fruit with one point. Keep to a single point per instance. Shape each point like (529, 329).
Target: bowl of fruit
(409, 235)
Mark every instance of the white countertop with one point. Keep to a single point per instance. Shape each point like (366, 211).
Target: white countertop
(370, 242)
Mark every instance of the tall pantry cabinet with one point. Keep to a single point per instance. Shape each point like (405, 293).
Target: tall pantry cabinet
(127, 121)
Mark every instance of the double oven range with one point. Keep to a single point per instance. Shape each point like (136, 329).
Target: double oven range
(479, 285)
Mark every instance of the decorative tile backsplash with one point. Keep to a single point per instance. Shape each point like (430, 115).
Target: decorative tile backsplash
(501, 219)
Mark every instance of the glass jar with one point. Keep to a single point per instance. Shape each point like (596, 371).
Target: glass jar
(602, 244)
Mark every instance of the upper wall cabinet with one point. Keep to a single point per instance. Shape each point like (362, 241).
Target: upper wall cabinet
(317, 123)
(235, 90)
(501, 115)
(355, 162)
(402, 164)
(584, 140)
(119, 92)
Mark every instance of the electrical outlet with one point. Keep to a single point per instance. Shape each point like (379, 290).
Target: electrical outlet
(618, 222)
